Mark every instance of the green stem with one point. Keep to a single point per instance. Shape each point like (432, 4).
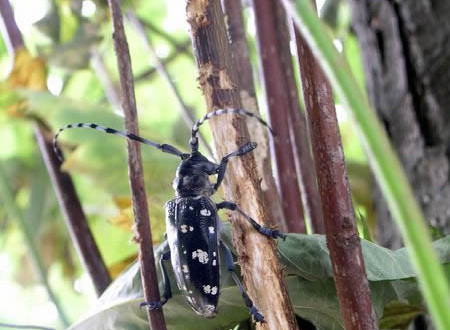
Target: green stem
(15, 213)
(383, 160)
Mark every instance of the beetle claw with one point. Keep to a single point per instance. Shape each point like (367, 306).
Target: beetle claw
(257, 316)
(153, 305)
(272, 233)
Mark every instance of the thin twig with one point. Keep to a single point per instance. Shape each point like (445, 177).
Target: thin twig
(74, 216)
(299, 133)
(111, 90)
(169, 59)
(340, 227)
(65, 191)
(258, 260)
(241, 62)
(178, 45)
(186, 112)
(277, 89)
(143, 235)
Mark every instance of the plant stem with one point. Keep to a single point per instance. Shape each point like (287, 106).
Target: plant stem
(74, 216)
(143, 235)
(383, 160)
(258, 260)
(15, 213)
(339, 218)
(277, 89)
(241, 62)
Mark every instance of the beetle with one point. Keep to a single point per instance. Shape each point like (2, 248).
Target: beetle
(192, 224)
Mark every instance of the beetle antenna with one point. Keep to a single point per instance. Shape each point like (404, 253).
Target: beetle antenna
(194, 140)
(163, 147)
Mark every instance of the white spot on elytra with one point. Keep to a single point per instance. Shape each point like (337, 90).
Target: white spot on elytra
(183, 228)
(211, 229)
(214, 253)
(210, 290)
(185, 269)
(207, 288)
(201, 255)
(205, 212)
(191, 228)
(191, 208)
(184, 252)
(214, 290)
(214, 262)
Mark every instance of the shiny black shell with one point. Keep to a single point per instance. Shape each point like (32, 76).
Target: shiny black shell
(192, 226)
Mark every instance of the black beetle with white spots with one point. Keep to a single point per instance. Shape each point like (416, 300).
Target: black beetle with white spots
(192, 224)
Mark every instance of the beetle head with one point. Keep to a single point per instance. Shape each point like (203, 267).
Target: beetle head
(192, 177)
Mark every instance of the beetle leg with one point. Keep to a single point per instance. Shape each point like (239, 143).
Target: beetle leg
(248, 302)
(223, 163)
(271, 233)
(167, 294)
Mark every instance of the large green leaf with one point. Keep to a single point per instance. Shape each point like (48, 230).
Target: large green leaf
(312, 261)
(310, 285)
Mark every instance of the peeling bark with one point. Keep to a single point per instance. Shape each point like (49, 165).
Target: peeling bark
(243, 68)
(259, 265)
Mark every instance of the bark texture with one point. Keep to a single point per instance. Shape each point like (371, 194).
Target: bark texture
(262, 274)
(339, 218)
(246, 86)
(143, 234)
(406, 52)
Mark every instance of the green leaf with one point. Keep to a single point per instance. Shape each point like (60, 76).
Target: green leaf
(398, 315)
(310, 285)
(118, 308)
(382, 264)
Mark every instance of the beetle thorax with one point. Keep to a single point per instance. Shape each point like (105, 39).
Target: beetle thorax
(192, 177)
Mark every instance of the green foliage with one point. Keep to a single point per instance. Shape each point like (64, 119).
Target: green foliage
(64, 38)
(395, 294)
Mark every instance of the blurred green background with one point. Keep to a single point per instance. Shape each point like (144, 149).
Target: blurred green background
(64, 33)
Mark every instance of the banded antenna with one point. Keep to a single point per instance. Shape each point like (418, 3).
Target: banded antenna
(163, 147)
(194, 140)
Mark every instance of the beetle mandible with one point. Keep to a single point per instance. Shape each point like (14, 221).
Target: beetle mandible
(192, 224)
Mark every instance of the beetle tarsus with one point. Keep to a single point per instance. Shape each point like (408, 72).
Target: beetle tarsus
(153, 305)
(257, 316)
(270, 233)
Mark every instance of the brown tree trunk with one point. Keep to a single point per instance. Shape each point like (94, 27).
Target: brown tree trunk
(406, 53)
(262, 274)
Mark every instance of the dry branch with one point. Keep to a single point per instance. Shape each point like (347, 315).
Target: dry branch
(259, 265)
(135, 172)
(278, 86)
(243, 68)
(340, 228)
